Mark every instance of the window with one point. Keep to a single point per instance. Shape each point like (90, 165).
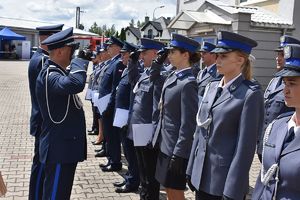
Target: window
(150, 33)
(128, 33)
(241, 1)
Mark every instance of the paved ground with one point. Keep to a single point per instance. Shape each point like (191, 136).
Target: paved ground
(16, 145)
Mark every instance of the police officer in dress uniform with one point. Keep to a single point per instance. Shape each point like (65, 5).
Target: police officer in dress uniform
(105, 60)
(110, 80)
(280, 174)
(95, 60)
(63, 138)
(274, 98)
(132, 180)
(209, 72)
(35, 65)
(228, 120)
(141, 113)
(177, 122)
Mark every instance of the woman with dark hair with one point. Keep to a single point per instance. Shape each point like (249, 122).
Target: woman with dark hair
(228, 120)
(178, 107)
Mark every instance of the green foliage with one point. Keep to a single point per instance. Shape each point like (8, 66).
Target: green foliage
(103, 30)
(122, 35)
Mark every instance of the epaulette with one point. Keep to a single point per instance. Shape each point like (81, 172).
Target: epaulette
(252, 84)
(286, 114)
(216, 79)
(192, 78)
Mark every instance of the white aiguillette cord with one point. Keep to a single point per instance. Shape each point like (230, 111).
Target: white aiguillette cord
(265, 177)
(76, 99)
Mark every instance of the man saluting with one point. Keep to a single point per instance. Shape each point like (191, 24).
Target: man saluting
(62, 140)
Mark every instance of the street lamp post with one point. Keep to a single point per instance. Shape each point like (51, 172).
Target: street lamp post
(155, 10)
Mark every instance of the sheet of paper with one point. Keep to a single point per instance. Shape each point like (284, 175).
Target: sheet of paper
(142, 134)
(95, 96)
(102, 103)
(121, 117)
(89, 94)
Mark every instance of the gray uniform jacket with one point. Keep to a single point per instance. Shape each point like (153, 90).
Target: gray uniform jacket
(209, 76)
(142, 105)
(274, 106)
(177, 121)
(223, 150)
(288, 159)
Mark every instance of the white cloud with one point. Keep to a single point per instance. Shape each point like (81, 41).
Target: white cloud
(118, 12)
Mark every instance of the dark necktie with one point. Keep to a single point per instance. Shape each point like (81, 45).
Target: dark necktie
(218, 94)
(278, 83)
(204, 72)
(289, 138)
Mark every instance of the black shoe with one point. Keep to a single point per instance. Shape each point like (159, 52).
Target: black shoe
(101, 153)
(125, 189)
(98, 150)
(97, 143)
(94, 132)
(112, 168)
(104, 165)
(119, 184)
(91, 130)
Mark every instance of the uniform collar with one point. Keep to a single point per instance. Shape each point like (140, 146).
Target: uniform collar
(55, 64)
(229, 83)
(41, 50)
(209, 67)
(292, 123)
(183, 71)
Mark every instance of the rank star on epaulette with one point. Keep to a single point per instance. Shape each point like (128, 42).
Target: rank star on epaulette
(179, 75)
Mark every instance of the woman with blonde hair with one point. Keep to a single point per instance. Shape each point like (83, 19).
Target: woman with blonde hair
(228, 120)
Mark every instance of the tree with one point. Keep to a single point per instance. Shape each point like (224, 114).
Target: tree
(123, 35)
(140, 24)
(132, 23)
(117, 34)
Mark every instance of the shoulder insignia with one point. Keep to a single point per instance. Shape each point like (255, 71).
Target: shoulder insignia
(253, 84)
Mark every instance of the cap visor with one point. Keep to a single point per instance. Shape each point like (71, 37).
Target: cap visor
(169, 47)
(221, 50)
(278, 49)
(287, 73)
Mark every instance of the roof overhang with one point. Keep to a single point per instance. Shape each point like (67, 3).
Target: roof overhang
(186, 19)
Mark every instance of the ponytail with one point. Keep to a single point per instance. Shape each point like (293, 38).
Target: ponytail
(247, 66)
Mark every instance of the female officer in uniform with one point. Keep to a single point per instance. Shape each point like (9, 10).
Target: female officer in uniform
(279, 177)
(177, 123)
(228, 120)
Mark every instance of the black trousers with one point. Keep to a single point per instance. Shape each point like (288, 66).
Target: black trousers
(132, 176)
(37, 174)
(95, 125)
(147, 159)
(58, 181)
(112, 138)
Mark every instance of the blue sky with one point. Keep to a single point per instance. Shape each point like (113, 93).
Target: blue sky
(118, 12)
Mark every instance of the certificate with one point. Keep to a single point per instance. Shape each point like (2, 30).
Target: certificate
(142, 134)
(121, 117)
(102, 103)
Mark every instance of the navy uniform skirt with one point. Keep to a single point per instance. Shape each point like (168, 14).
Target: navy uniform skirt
(165, 177)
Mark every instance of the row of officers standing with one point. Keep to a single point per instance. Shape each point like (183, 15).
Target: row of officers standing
(176, 125)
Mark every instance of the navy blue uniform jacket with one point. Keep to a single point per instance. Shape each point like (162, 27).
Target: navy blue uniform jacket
(63, 142)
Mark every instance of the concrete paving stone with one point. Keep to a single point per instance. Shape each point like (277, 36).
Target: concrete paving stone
(16, 145)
